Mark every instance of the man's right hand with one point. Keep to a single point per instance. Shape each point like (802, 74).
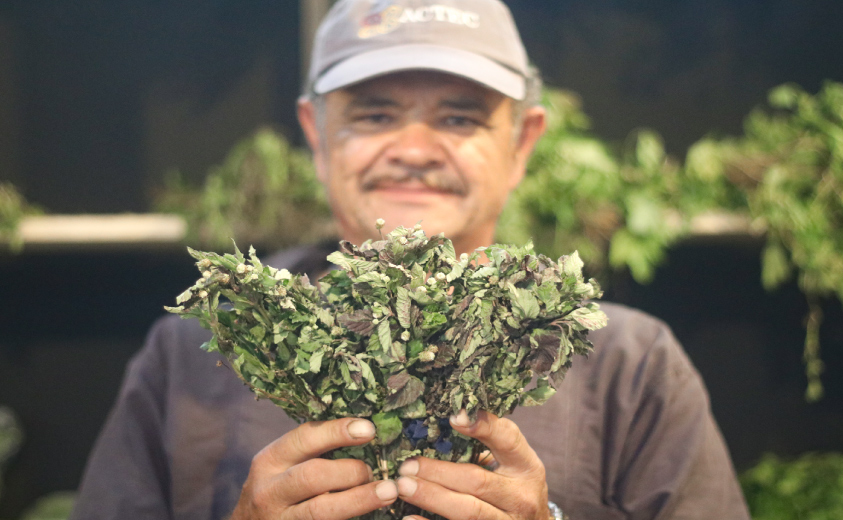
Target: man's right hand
(288, 480)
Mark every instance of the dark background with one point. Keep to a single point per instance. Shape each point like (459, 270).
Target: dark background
(98, 99)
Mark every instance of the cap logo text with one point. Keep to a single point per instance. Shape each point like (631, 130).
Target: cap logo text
(393, 16)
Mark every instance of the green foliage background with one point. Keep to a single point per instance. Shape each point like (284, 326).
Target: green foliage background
(13, 207)
(807, 488)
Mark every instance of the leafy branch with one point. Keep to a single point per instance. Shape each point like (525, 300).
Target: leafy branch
(13, 208)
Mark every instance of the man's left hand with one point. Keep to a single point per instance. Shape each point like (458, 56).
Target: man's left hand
(516, 489)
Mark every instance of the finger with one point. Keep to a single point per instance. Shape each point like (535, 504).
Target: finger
(346, 504)
(310, 440)
(440, 500)
(463, 478)
(503, 438)
(318, 476)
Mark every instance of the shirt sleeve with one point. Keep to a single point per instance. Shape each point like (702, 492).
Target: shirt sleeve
(663, 456)
(127, 473)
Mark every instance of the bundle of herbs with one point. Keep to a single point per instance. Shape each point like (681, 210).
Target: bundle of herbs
(403, 333)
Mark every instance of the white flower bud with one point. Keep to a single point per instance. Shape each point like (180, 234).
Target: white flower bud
(206, 274)
(241, 268)
(441, 277)
(463, 257)
(379, 223)
(427, 356)
(421, 289)
(203, 294)
(204, 263)
(431, 281)
(405, 336)
(402, 241)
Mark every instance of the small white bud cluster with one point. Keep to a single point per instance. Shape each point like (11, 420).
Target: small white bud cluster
(431, 281)
(403, 241)
(463, 257)
(380, 223)
(405, 336)
(206, 275)
(241, 268)
(441, 277)
(428, 355)
(204, 263)
(421, 289)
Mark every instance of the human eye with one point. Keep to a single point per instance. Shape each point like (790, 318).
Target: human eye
(462, 122)
(373, 120)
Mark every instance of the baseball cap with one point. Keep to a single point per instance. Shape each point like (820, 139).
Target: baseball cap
(474, 39)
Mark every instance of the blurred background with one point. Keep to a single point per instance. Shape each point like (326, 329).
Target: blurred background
(697, 186)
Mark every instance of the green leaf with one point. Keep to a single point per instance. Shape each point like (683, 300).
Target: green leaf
(524, 304)
(402, 307)
(388, 426)
(775, 266)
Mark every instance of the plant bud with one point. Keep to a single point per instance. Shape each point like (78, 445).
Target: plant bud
(417, 227)
(203, 294)
(463, 257)
(379, 223)
(427, 356)
(441, 277)
(431, 281)
(206, 274)
(402, 240)
(405, 336)
(204, 263)
(241, 268)
(421, 289)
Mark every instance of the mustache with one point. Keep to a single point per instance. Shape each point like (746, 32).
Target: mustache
(430, 179)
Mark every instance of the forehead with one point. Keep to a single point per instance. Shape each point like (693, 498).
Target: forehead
(428, 86)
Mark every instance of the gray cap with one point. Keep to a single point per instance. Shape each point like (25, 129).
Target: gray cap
(474, 39)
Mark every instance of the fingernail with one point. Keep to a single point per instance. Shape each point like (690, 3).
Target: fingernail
(461, 419)
(386, 490)
(410, 468)
(361, 429)
(407, 486)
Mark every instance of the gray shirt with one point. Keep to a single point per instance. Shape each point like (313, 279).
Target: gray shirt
(629, 435)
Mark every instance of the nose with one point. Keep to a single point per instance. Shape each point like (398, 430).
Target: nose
(417, 146)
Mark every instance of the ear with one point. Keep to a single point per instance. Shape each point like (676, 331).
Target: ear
(533, 125)
(310, 127)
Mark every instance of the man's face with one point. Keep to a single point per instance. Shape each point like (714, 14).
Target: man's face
(419, 147)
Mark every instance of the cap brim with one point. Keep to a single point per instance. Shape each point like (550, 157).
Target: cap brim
(458, 62)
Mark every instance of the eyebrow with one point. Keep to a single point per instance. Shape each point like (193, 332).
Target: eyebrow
(467, 104)
(371, 101)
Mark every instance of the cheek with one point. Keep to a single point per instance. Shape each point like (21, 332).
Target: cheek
(487, 168)
(351, 157)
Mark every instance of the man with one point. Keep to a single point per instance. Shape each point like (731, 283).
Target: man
(417, 112)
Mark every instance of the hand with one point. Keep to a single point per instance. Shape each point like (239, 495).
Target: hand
(288, 480)
(516, 489)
